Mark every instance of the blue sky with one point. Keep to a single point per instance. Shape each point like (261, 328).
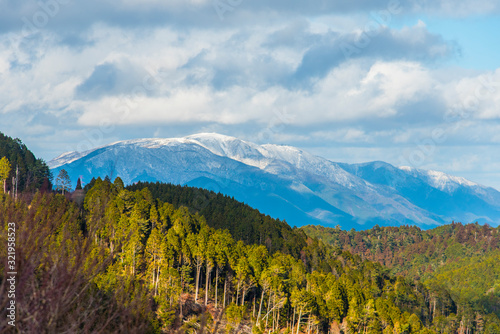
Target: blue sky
(413, 82)
(477, 36)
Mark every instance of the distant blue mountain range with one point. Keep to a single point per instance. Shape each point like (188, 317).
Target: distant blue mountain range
(291, 184)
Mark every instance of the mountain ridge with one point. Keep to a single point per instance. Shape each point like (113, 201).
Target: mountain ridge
(325, 192)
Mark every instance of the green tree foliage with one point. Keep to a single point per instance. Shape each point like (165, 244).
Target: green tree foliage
(33, 173)
(446, 259)
(187, 265)
(79, 184)
(132, 262)
(57, 270)
(223, 212)
(4, 173)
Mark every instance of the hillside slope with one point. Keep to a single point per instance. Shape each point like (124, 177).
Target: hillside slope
(461, 258)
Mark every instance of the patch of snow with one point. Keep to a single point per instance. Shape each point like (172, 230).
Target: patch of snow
(439, 180)
(213, 156)
(64, 158)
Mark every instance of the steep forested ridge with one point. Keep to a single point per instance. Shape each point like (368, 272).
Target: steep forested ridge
(220, 211)
(33, 173)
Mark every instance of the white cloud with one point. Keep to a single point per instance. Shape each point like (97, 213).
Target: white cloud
(452, 8)
(176, 66)
(226, 76)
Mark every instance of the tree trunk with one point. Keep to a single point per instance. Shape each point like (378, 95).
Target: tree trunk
(182, 282)
(260, 306)
(133, 264)
(169, 285)
(243, 295)
(278, 320)
(153, 280)
(267, 311)
(298, 321)
(238, 292)
(198, 271)
(274, 310)
(434, 310)
(206, 285)
(157, 280)
(216, 283)
(156, 273)
(224, 301)
(180, 306)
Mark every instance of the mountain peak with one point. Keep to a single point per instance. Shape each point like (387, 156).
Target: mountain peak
(440, 180)
(289, 183)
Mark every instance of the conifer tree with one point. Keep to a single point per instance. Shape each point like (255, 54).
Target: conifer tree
(79, 184)
(118, 183)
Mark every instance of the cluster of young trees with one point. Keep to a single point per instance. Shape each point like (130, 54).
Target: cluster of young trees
(221, 211)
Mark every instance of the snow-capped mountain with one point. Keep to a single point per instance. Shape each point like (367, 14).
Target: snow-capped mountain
(288, 183)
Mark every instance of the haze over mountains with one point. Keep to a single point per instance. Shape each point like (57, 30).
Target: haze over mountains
(291, 184)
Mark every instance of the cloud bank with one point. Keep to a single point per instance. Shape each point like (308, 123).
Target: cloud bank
(353, 81)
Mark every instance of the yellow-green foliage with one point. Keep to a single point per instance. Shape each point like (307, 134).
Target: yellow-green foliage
(4, 171)
(455, 259)
(152, 266)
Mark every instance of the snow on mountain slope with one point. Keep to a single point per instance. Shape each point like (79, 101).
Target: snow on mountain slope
(275, 159)
(449, 196)
(231, 147)
(64, 158)
(439, 180)
(292, 184)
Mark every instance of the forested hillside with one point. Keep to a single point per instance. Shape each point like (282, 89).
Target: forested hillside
(33, 173)
(463, 259)
(127, 262)
(220, 211)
